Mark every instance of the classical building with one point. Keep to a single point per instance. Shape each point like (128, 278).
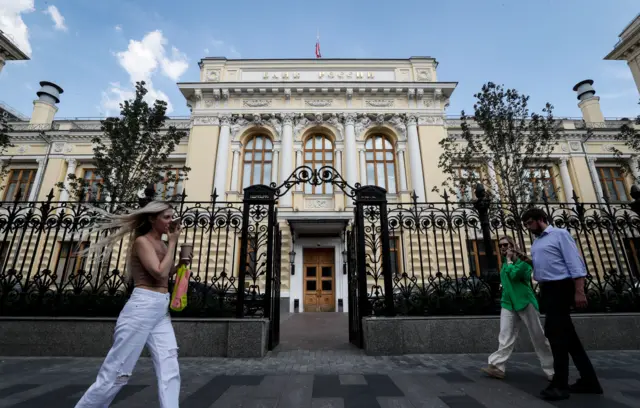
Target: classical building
(628, 48)
(377, 121)
(9, 51)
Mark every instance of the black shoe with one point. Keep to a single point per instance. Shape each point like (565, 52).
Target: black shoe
(583, 386)
(552, 393)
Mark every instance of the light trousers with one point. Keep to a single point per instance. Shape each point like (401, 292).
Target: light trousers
(143, 320)
(509, 327)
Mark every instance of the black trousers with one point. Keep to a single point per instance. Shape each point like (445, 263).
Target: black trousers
(557, 299)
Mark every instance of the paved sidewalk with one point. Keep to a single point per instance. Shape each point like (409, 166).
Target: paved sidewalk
(318, 379)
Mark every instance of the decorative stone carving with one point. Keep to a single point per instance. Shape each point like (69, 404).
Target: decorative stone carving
(287, 94)
(68, 148)
(349, 93)
(206, 121)
(563, 160)
(318, 204)
(437, 94)
(412, 120)
(208, 103)
(334, 121)
(287, 118)
(225, 120)
(319, 103)
(213, 75)
(380, 103)
(198, 95)
(300, 123)
(431, 120)
(23, 148)
(607, 147)
(399, 125)
(276, 124)
(419, 94)
(238, 123)
(58, 147)
(574, 146)
(429, 103)
(424, 75)
(349, 119)
(564, 147)
(361, 125)
(411, 93)
(591, 160)
(256, 103)
(225, 94)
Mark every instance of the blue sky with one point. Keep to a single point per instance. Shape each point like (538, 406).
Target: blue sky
(95, 48)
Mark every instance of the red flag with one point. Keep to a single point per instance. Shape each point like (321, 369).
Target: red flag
(318, 48)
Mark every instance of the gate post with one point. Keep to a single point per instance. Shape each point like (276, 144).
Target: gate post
(257, 218)
(482, 205)
(371, 205)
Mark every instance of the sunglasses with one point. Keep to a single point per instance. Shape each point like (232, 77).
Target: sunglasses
(505, 245)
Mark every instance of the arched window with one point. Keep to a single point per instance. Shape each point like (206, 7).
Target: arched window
(258, 154)
(381, 163)
(318, 152)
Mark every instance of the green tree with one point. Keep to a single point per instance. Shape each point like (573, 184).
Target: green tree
(500, 145)
(5, 144)
(132, 152)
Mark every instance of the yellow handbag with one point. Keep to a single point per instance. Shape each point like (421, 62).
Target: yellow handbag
(180, 289)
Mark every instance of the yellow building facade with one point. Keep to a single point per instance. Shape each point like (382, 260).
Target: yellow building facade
(377, 121)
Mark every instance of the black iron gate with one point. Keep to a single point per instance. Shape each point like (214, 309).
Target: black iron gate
(369, 262)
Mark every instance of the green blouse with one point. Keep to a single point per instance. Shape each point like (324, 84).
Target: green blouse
(517, 292)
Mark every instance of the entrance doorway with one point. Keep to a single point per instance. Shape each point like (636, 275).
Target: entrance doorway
(319, 279)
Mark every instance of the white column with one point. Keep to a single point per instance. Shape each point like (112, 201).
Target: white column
(595, 178)
(234, 172)
(274, 165)
(222, 157)
(403, 170)
(286, 165)
(415, 159)
(36, 182)
(71, 169)
(363, 168)
(299, 163)
(566, 179)
(633, 164)
(350, 149)
(493, 180)
(337, 164)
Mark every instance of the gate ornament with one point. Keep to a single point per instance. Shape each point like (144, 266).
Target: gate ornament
(315, 177)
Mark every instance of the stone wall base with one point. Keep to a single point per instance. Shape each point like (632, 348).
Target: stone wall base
(93, 337)
(479, 334)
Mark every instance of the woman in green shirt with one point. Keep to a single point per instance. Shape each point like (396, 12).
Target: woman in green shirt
(518, 304)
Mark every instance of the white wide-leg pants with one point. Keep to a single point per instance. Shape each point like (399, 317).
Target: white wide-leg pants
(509, 327)
(143, 320)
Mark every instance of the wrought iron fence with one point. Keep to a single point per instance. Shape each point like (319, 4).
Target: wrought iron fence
(444, 256)
(43, 274)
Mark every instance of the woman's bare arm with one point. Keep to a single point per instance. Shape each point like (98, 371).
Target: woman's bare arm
(158, 268)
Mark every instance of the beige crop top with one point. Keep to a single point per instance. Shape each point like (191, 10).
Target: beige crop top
(143, 278)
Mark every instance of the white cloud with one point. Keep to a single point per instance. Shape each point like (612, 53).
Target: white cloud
(118, 27)
(11, 22)
(226, 50)
(58, 19)
(143, 60)
(206, 52)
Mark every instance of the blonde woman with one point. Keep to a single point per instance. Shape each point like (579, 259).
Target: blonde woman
(144, 320)
(519, 304)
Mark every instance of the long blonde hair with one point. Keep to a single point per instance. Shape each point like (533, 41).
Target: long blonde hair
(134, 223)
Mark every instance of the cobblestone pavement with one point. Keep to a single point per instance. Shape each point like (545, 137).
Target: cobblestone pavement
(318, 379)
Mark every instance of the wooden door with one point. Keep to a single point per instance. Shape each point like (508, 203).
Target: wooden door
(319, 280)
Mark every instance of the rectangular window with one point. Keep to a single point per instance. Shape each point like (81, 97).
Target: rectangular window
(171, 185)
(632, 247)
(92, 183)
(394, 253)
(478, 260)
(464, 180)
(613, 183)
(19, 179)
(541, 181)
(69, 263)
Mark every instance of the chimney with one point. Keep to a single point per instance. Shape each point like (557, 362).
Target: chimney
(44, 108)
(589, 103)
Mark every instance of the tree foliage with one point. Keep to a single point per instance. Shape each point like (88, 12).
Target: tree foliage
(5, 144)
(503, 144)
(131, 153)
